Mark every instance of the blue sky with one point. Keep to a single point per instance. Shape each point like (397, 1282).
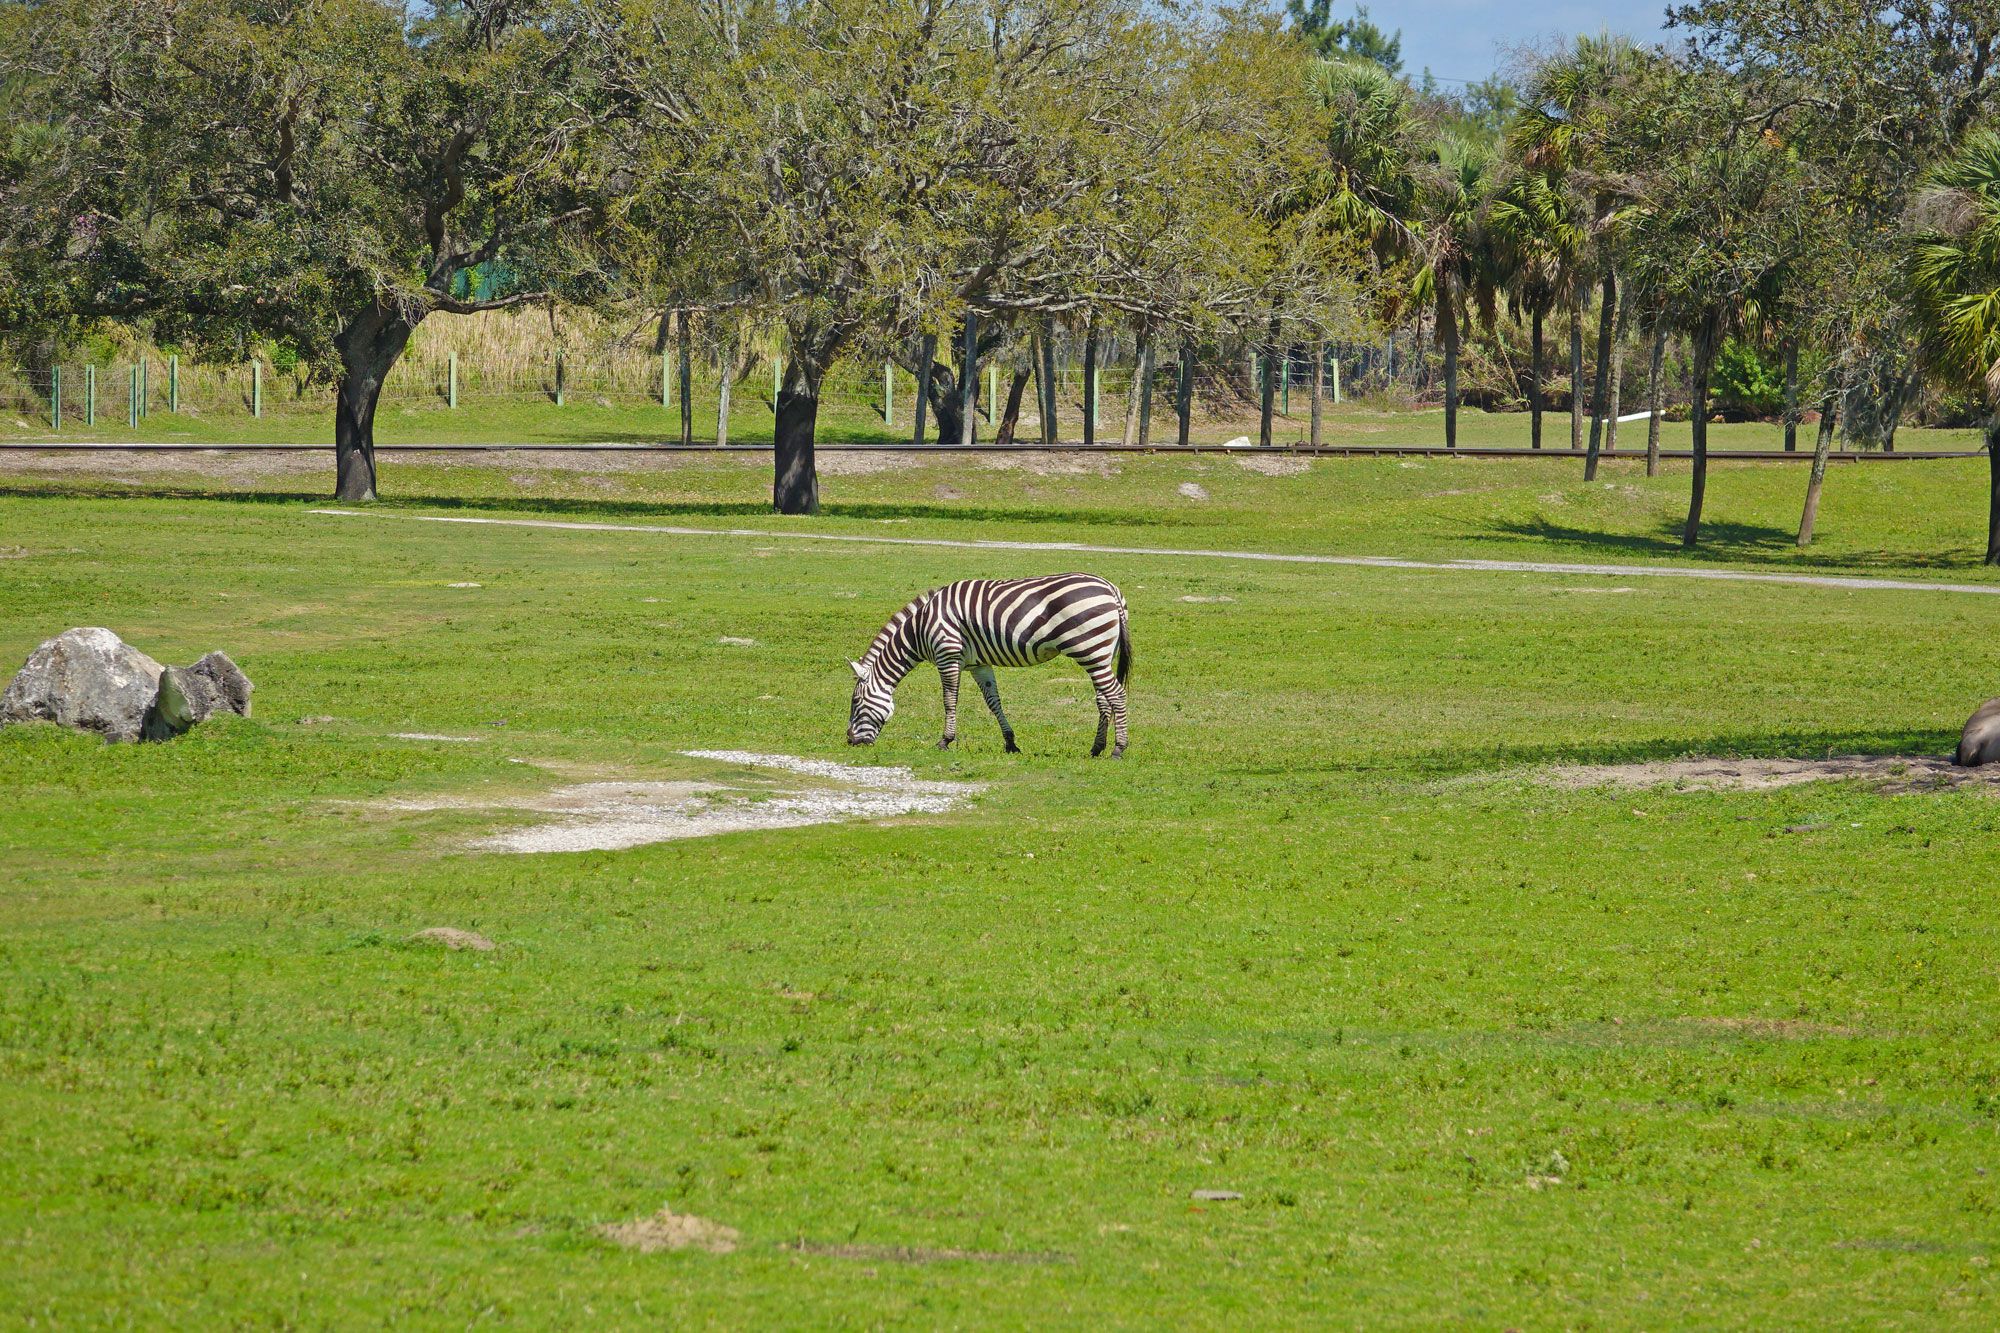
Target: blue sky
(1468, 39)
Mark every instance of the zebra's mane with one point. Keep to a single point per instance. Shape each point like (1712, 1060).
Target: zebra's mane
(885, 638)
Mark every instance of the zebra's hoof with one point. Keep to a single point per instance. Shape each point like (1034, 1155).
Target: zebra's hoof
(1118, 753)
(945, 744)
(1011, 747)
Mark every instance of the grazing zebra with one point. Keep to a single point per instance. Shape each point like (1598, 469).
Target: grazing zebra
(979, 624)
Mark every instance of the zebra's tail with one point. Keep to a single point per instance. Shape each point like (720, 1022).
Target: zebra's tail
(1124, 645)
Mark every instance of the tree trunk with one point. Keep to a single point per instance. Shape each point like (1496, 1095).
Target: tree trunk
(368, 347)
(1704, 356)
(1654, 388)
(1899, 399)
(1535, 383)
(1600, 394)
(1090, 383)
(945, 398)
(1576, 373)
(1447, 316)
(1267, 388)
(1146, 389)
(1143, 354)
(1184, 396)
(722, 403)
(1010, 420)
(1319, 390)
(687, 380)
(926, 353)
(1993, 487)
(1618, 334)
(1049, 387)
(968, 384)
(795, 483)
(1829, 408)
(1792, 396)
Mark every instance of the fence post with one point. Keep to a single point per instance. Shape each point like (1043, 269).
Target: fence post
(145, 385)
(1286, 408)
(1336, 381)
(451, 380)
(968, 389)
(666, 380)
(777, 380)
(993, 391)
(174, 383)
(132, 400)
(559, 379)
(888, 394)
(55, 398)
(257, 389)
(90, 395)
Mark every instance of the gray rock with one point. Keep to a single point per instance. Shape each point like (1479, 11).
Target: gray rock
(194, 694)
(1214, 1196)
(1980, 742)
(89, 679)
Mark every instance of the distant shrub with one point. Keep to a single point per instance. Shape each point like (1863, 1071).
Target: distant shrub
(1747, 382)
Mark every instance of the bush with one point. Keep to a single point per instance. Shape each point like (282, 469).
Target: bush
(1747, 383)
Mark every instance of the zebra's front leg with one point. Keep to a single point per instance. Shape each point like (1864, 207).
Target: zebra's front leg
(989, 685)
(948, 674)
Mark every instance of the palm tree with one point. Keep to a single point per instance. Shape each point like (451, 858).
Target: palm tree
(1562, 131)
(1414, 191)
(1537, 237)
(1953, 272)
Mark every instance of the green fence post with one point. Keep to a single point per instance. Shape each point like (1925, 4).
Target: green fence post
(257, 389)
(173, 383)
(55, 398)
(451, 380)
(666, 380)
(145, 385)
(132, 400)
(90, 395)
(559, 379)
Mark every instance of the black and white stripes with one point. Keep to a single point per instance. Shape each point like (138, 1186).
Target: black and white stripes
(979, 624)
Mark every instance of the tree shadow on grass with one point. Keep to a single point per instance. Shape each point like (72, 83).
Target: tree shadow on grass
(1739, 543)
(587, 508)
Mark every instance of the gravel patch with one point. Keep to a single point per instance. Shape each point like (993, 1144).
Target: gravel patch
(669, 1230)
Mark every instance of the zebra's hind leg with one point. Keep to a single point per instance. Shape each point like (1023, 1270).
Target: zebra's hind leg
(989, 685)
(948, 675)
(1103, 723)
(1116, 694)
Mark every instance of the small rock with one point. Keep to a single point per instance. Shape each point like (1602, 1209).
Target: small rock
(189, 695)
(1240, 442)
(1805, 828)
(1215, 1196)
(1980, 742)
(461, 585)
(317, 720)
(88, 679)
(451, 937)
(733, 641)
(1219, 597)
(1192, 491)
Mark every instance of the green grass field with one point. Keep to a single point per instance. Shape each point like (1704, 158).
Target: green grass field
(1473, 1047)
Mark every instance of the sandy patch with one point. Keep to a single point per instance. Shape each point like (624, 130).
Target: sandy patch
(1219, 597)
(736, 641)
(669, 1230)
(428, 736)
(1192, 491)
(1793, 1028)
(920, 1254)
(1888, 773)
(1280, 466)
(612, 815)
(451, 937)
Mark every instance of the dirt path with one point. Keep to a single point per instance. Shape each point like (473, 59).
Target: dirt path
(1078, 548)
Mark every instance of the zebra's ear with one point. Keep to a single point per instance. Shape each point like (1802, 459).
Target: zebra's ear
(858, 672)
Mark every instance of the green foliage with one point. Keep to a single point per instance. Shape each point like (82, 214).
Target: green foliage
(1952, 267)
(1748, 380)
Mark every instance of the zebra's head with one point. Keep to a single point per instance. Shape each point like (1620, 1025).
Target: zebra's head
(873, 705)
